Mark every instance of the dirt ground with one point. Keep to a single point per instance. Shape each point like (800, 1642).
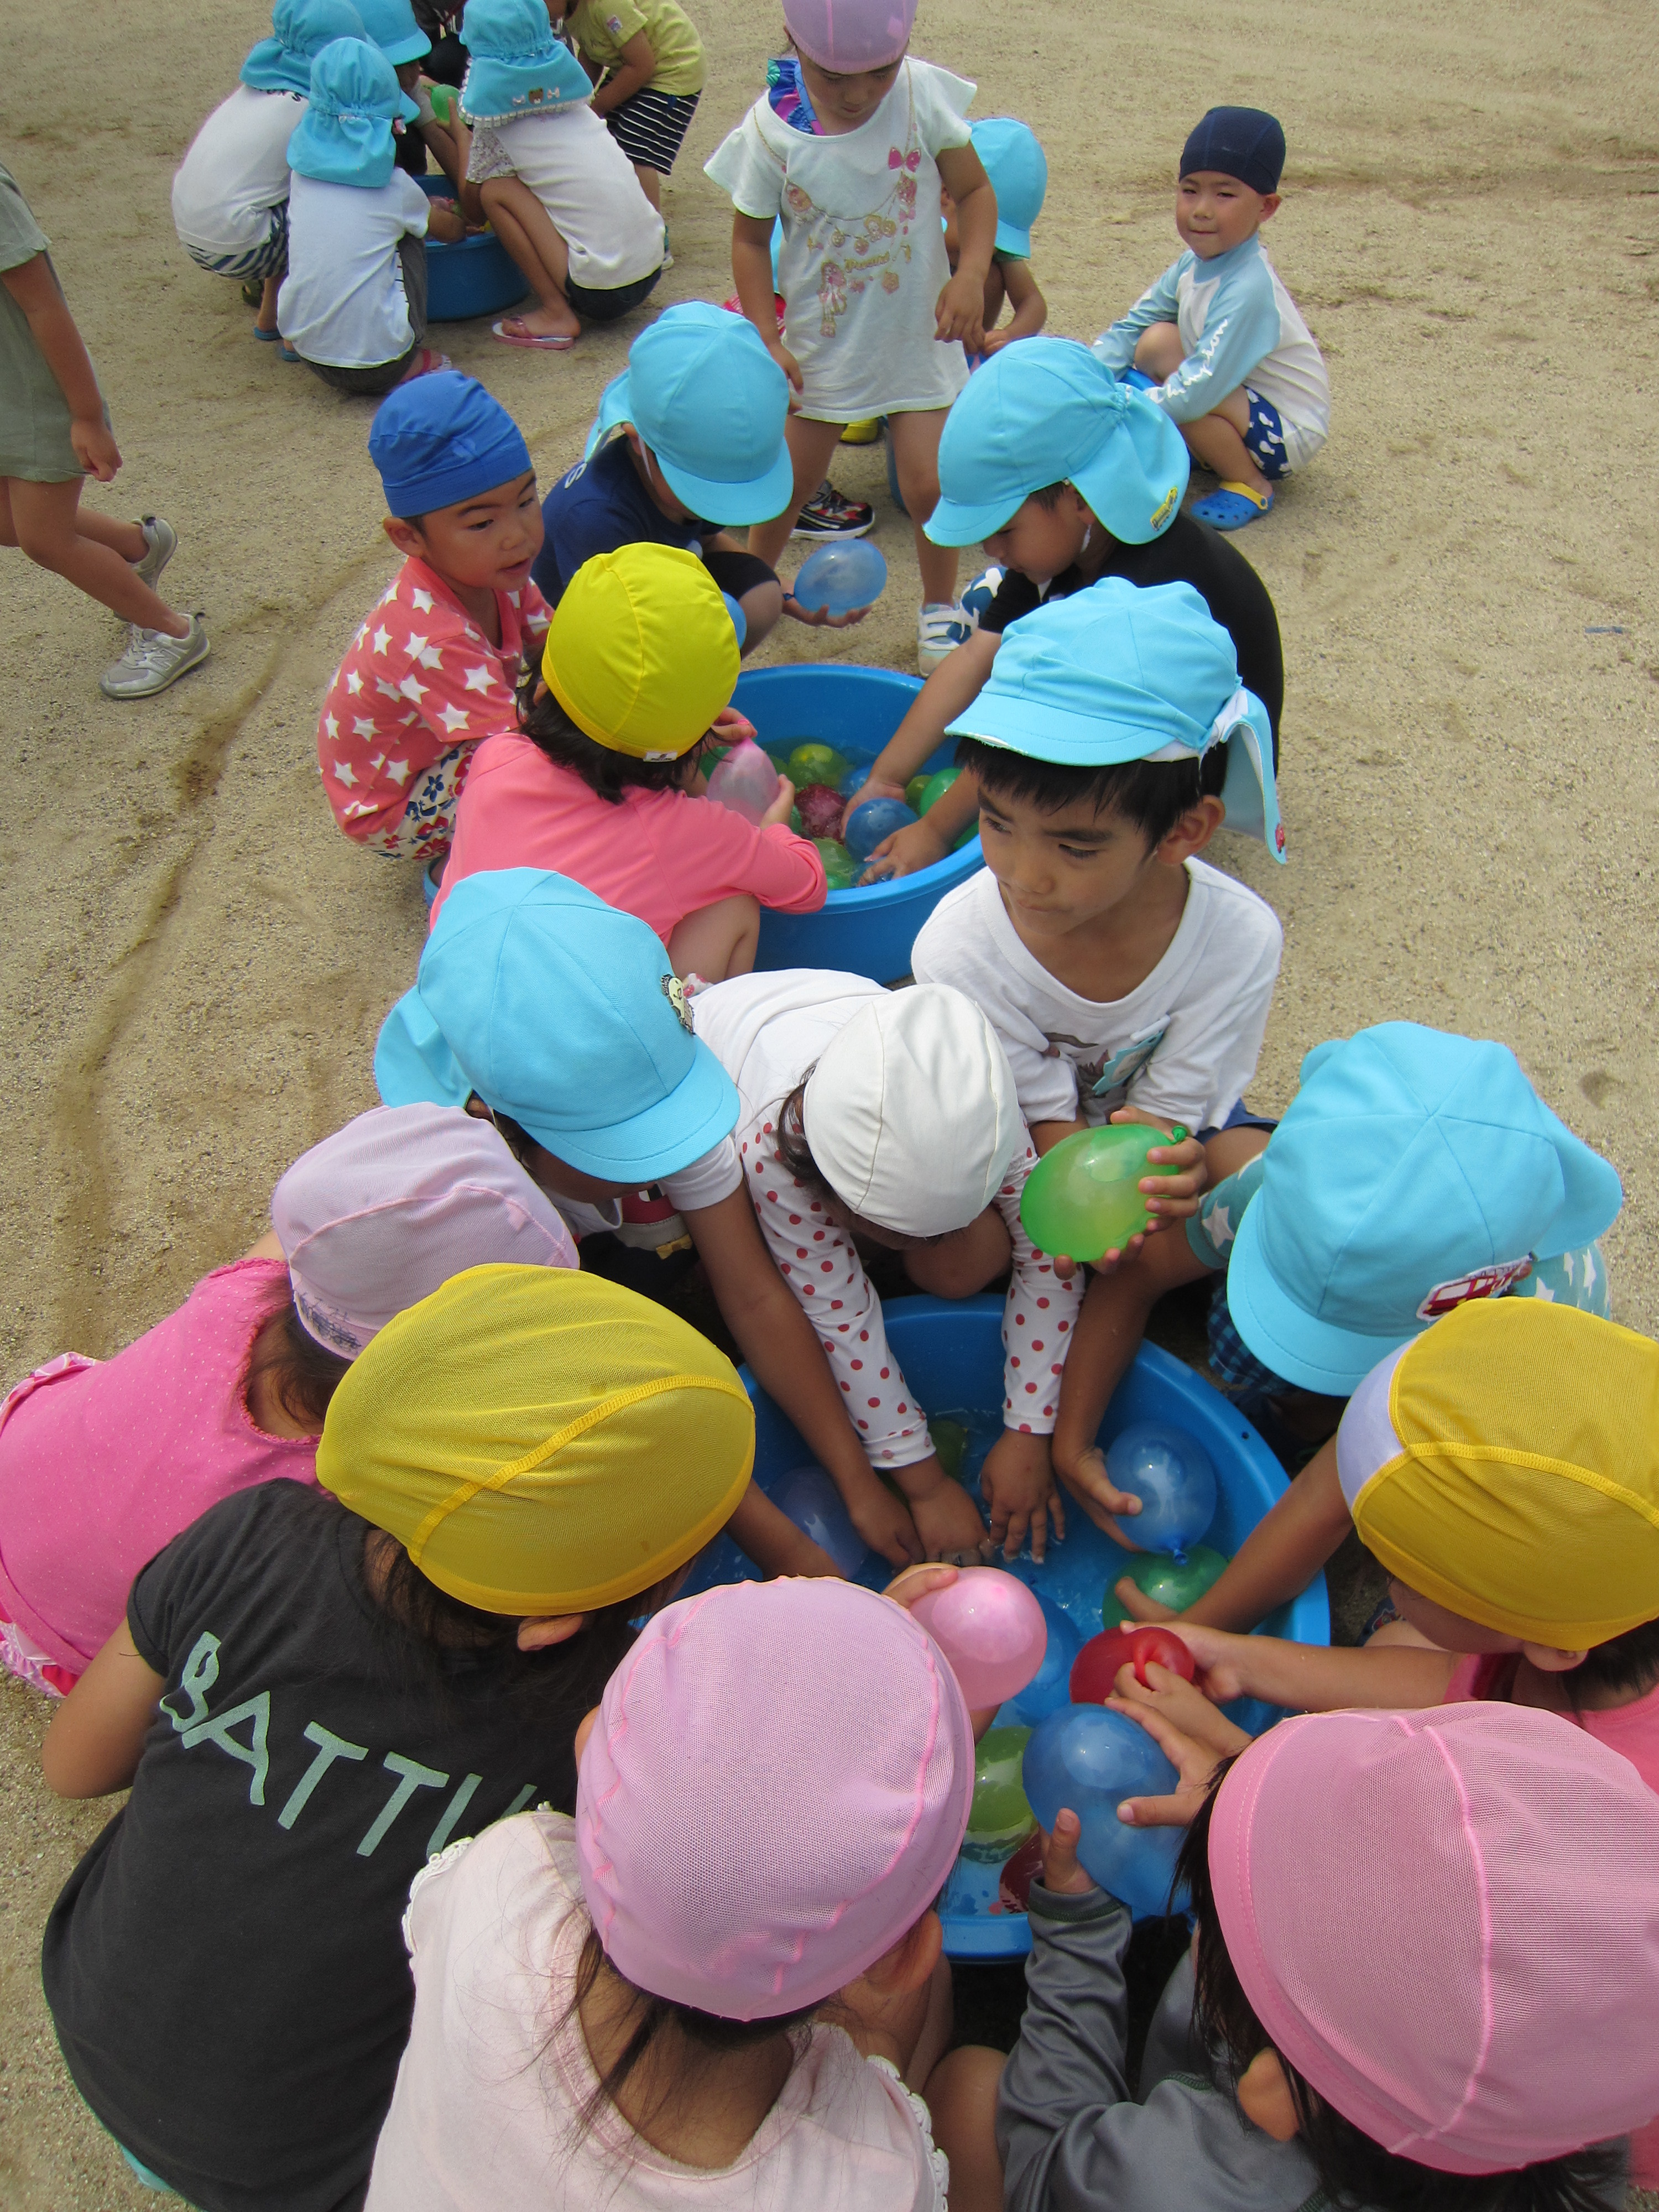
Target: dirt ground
(195, 961)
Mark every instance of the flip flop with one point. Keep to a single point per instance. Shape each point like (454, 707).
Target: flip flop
(1232, 507)
(533, 341)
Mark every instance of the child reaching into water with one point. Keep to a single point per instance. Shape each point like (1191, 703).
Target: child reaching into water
(605, 784)
(874, 321)
(1218, 335)
(720, 1984)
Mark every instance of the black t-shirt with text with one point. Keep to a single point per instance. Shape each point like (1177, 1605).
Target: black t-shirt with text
(226, 1966)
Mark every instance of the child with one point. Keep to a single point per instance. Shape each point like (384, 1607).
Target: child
(55, 432)
(1413, 1171)
(104, 1461)
(1218, 335)
(390, 25)
(353, 304)
(230, 193)
(558, 190)
(603, 785)
(689, 444)
(611, 1096)
(1425, 1960)
(888, 1119)
(607, 2014)
(1018, 170)
(433, 668)
(646, 62)
(1068, 477)
(874, 321)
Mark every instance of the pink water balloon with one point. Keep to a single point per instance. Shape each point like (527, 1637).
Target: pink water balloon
(990, 1629)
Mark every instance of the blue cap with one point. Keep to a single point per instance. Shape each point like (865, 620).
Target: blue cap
(564, 1014)
(344, 137)
(391, 25)
(1045, 412)
(516, 66)
(1413, 1170)
(711, 403)
(302, 29)
(1018, 169)
(443, 439)
(1118, 673)
(1246, 143)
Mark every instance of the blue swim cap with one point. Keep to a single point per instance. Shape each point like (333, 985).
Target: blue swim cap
(1246, 143)
(442, 439)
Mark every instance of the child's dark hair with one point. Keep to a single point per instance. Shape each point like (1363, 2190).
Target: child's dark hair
(1151, 795)
(548, 728)
(789, 1138)
(303, 1375)
(1354, 2170)
(1630, 1662)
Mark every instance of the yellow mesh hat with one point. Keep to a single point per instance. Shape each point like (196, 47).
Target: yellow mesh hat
(642, 652)
(540, 1446)
(1506, 1465)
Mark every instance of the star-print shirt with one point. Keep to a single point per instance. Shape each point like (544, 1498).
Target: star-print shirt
(768, 1032)
(419, 680)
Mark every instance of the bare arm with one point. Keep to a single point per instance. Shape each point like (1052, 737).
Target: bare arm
(953, 686)
(961, 310)
(1030, 308)
(772, 1541)
(1317, 1678)
(93, 1744)
(751, 272)
(633, 73)
(34, 286)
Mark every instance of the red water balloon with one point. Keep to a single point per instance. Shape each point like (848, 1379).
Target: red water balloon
(1095, 1670)
(1014, 1886)
(820, 810)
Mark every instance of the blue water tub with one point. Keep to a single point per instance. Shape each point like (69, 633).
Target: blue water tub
(868, 931)
(951, 1355)
(478, 276)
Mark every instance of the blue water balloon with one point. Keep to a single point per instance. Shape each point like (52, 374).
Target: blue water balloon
(1087, 1759)
(1174, 1478)
(1049, 1687)
(812, 1502)
(854, 779)
(739, 620)
(840, 578)
(877, 818)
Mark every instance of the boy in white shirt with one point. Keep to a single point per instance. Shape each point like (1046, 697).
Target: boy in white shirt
(1125, 978)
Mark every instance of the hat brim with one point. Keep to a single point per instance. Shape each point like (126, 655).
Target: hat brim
(1314, 1354)
(1050, 733)
(1135, 503)
(701, 1109)
(272, 67)
(408, 48)
(952, 524)
(1013, 241)
(758, 498)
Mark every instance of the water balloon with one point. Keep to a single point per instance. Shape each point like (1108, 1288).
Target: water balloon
(1178, 1583)
(1084, 1197)
(1094, 1675)
(839, 579)
(745, 780)
(1174, 1478)
(1000, 1816)
(1088, 1760)
(1050, 1686)
(876, 819)
(992, 1629)
(808, 761)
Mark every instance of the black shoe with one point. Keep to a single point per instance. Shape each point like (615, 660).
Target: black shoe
(827, 514)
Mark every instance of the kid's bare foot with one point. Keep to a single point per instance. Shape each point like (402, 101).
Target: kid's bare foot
(541, 328)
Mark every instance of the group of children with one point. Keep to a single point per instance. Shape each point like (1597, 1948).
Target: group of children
(467, 1863)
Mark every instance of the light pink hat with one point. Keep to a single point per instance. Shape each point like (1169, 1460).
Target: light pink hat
(384, 1212)
(774, 1792)
(846, 36)
(1448, 1922)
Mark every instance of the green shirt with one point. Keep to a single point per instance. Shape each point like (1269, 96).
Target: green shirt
(602, 28)
(34, 416)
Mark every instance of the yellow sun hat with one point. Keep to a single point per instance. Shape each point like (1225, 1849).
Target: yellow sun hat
(642, 652)
(1505, 1465)
(540, 1446)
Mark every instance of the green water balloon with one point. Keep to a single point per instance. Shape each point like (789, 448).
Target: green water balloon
(1084, 1198)
(934, 787)
(950, 1443)
(1175, 1583)
(840, 870)
(1002, 1815)
(816, 764)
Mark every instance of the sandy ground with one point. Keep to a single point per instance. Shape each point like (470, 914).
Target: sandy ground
(195, 961)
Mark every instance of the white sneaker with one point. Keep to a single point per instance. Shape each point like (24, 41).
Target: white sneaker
(160, 542)
(153, 660)
(941, 627)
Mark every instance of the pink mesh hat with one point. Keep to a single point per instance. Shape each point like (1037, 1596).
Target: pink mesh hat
(1448, 1922)
(384, 1212)
(774, 1792)
(846, 36)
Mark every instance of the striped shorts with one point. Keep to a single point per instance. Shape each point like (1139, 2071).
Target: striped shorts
(268, 259)
(651, 127)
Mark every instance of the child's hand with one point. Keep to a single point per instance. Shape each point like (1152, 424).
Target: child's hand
(821, 617)
(1062, 1875)
(918, 845)
(1223, 1660)
(96, 448)
(884, 1524)
(947, 1520)
(731, 725)
(1137, 1606)
(960, 313)
(1084, 1475)
(872, 787)
(1169, 1198)
(1018, 1486)
(777, 814)
(1192, 1736)
(791, 368)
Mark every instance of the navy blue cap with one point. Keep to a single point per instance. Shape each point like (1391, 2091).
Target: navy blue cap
(441, 440)
(1246, 143)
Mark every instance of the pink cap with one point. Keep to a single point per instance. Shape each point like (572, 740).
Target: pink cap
(384, 1212)
(846, 36)
(774, 1792)
(1448, 1922)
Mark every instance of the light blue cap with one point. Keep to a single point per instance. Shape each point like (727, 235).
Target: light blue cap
(301, 29)
(1045, 412)
(1118, 673)
(1015, 162)
(1413, 1171)
(516, 65)
(711, 403)
(391, 25)
(344, 137)
(563, 1013)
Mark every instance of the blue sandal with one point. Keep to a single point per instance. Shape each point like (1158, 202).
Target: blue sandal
(1232, 507)
(267, 337)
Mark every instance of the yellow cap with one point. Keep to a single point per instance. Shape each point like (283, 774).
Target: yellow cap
(642, 652)
(540, 1441)
(1524, 1491)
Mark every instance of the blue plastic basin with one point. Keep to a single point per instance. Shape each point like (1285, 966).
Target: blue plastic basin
(868, 931)
(478, 276)
(951, 1355)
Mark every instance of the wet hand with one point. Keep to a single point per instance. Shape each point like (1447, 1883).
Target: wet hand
(1020, 1497)
(1190, 1733)
(1106, 1505)
(884, 1524)
(915, 846)
(821, 617)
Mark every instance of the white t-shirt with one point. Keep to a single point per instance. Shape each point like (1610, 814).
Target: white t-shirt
(862, 261)
(483, 2118)
(766, 1031)
(342, 302)
(1183, 1046)
(587, 183)
(709, 1178)
(236, 170)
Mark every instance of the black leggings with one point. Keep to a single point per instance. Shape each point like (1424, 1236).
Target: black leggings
(369, 383)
